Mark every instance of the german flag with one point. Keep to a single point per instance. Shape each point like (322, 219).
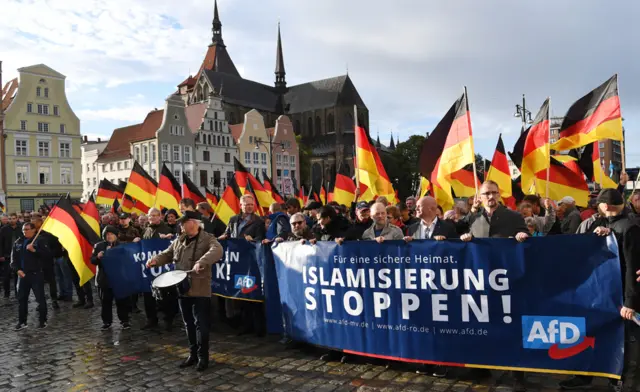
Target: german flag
(271, 188)
(591, 166)
(2, 207)
(114, 206)
(76, 206)
(344, 190)
(127, 204)
(229, 204)
(464, 183)
(244, 178)
(369, 167)
(212, 198)
(107, 192)
(447, 150)
(425, 185)
(536, 153)
(300, 196)
(168, 195)
(140, 208)
(75, 235)
(563, 182)
(596, 116)
(323, 194)
(190, 190)
(499, 173)
(91, 215)
(259, 210)
(141, 186)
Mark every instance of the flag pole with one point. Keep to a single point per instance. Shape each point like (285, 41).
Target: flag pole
(548, 146)
(475, 173)
(355, 147)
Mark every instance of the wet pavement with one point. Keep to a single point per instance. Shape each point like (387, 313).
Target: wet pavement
(73, 354)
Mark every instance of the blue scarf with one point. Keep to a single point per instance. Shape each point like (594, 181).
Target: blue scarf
(273, 226)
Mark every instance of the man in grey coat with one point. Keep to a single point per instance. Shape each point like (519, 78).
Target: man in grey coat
(381, 229)
(570, 215)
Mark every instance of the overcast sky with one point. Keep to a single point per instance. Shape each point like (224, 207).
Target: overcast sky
(408, 59)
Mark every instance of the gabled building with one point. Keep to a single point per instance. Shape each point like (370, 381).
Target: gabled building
(90, 150)
(321, 112)
(41, 154)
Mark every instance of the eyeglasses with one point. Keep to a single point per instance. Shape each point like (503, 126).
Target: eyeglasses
(297, 223)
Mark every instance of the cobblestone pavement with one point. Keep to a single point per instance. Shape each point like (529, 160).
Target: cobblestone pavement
(72, 354)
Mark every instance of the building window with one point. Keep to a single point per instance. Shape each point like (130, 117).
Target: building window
(250, 139)
(211, 125)
(22, 174)
(256, 158)
(56, 110)
(38, 91)
(136, 153)
(23, 125)
(176, 153)
(43, 149)
(153, 173)
(43, 127)
(153, 152)
(219, 142)
(227, 157)
(65, 175)
(111, 166)
(205, 156)
(187, 173)
(601, 144)
(203, 178)
(63, 128)
(292, 160)
(263, 158)
(46, 92)
(176, 174)
(21, 148)
(44, 174)
(29, 107)
(216, 178)
(601, 154)
(119, 165)
(43, 109)
(87, 168)
(215, 115)
(165, 152)
(187, 153)
(210, 142)
(278, 159)
(126, 165)
(145, 154)
(95, 181)
(247, 158)
(65, 150)
(229, 176)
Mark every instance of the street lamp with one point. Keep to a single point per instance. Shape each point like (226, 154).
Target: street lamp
(269, 146)
(523, 113)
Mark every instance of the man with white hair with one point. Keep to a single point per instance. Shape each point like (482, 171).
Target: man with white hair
(570, 215)
(381, 229)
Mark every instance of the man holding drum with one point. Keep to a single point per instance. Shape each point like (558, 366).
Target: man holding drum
(194, 251)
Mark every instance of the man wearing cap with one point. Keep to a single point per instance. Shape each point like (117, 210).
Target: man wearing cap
(362, 222)
(313, 208)
(570, 215)
(194, 251)
(615, 219)
(127, 233)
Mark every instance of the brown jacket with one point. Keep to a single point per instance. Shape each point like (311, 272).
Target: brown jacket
(207, 252)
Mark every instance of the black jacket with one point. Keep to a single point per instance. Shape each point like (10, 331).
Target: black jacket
(355, 231)
(33, 261)
(626, 228)
(101, 277)
(571, 221)
(154, 231)
(254, 228)
(8, 237)
(443, 228)
(335, 229)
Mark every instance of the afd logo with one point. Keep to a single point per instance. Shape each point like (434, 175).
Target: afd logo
(563, 337)
(246, 283)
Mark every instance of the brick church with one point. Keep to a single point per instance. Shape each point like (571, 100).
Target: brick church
(321, 111)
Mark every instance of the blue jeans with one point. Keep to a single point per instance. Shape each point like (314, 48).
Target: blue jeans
(64, 277)
(31, 281)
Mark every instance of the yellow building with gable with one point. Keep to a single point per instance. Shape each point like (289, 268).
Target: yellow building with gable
(41, 159)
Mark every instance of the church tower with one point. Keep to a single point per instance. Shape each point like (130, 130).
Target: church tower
(281, 83)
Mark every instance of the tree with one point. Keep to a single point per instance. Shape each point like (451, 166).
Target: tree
(402, 166)
(304, 159)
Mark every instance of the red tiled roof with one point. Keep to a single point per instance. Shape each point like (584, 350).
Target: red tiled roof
(195, 114)
(189, 82)
(118, 146)
(236, 131)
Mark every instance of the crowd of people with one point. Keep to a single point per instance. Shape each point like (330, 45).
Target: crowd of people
(40, 262)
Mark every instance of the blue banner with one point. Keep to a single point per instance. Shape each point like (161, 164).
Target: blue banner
(547, 304)
(236, 276)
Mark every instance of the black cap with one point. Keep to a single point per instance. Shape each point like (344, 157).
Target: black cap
(190, 215)
(314, 205)
(611, 197)
(124, 215)
(362, 205)
(109, 229)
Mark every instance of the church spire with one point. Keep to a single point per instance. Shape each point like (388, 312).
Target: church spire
(280, 73)
(378, 144)
(217, 25)
(392, 144)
